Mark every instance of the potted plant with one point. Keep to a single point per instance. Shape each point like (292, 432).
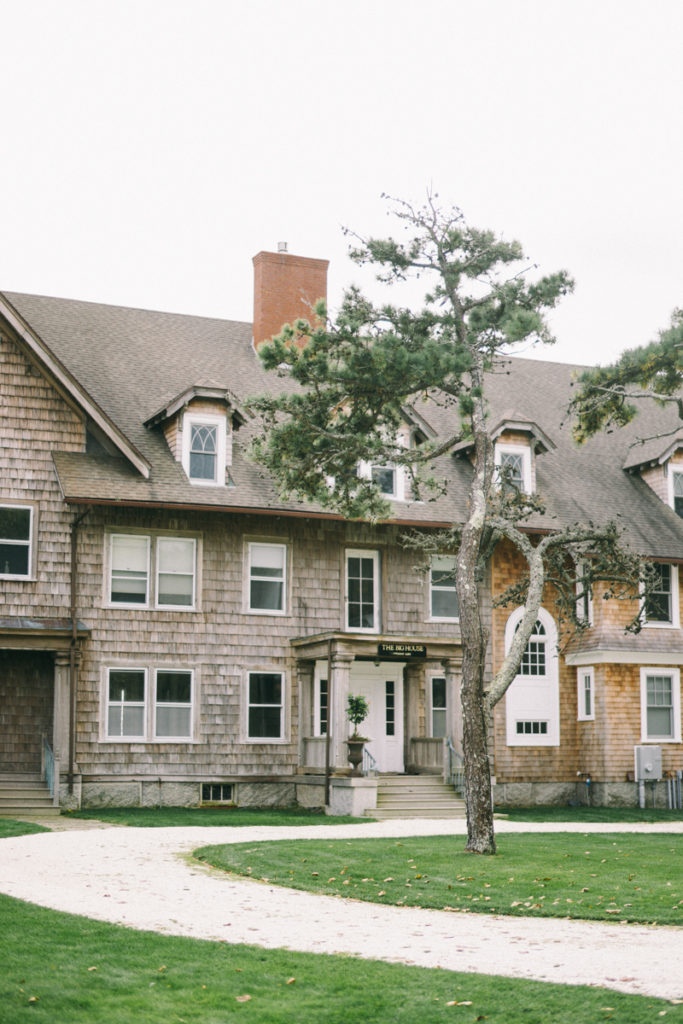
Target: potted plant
(357, 710)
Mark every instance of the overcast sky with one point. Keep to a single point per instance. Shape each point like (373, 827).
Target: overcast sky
(152, 147)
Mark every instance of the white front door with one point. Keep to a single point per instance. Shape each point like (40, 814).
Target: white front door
(382, 686)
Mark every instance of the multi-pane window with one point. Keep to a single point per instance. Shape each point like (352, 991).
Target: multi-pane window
(659, 713)
(585, 694)
(265, 709)
(173, 704)
(384, 478)
(442, 596)
(204, 442)
(362, 591)
(16, 523)
(677, 484)
(438, 707)
(129, 569)
(129, 714)
(514, 467)
(323, 707)
(267, 577)
(659, 603)
(163, 574)
(533, 659)
(203, 451)
(390, 707)
(126, 703)
(175, 571)
(532, 727)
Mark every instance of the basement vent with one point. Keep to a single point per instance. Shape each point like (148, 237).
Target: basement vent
(217, 793)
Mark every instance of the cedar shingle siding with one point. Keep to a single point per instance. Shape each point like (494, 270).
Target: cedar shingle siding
(81, 432)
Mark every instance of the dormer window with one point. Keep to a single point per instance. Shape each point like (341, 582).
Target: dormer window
(514, 466)
(677, 492)
(204, 448)
(385, 480)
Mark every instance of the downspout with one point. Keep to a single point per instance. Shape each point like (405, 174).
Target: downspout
(329, 722)
(73, 666)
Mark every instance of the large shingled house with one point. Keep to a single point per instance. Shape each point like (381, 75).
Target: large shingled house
(172, 632)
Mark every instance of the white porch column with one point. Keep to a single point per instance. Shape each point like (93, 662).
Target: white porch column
(452, 670)
(60, 726)
(413, 675)
(305, 671)
(341, 675)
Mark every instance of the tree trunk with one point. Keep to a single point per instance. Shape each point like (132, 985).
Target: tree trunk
(480, 838)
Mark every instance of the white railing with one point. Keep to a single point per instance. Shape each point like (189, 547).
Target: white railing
(48, 766)
(370, 766)
(455, 773)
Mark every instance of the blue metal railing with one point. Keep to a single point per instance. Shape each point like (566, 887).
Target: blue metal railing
(370, 766)
(455, 771)
(48, 766)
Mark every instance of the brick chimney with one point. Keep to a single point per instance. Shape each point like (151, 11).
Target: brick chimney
(285, 287)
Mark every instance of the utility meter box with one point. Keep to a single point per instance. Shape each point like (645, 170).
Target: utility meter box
(648, 763)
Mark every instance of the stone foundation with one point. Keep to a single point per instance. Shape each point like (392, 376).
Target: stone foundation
(597, 794)
(352, 796)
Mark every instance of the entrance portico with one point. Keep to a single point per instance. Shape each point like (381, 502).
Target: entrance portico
(395, 674)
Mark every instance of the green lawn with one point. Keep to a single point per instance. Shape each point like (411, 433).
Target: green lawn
(617, 877)
(172, 817)
(60, 968)
(9, 827)
(589, 814)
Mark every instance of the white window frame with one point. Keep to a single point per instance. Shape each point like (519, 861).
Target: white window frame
(436, 588)
(432, 709)
(515, 449)
(674, 469)
(197, 419)
(160, 540)
(365, 470)
(583, 673)
(585, 602)
(28, 544)
(675, 676)
(675, 620)
(111, 603)
(521, 702)
(152, 595)
(149, 704)
(377, 611)
(108, 703)
(282, 738)
(270, 579)
(179, 704)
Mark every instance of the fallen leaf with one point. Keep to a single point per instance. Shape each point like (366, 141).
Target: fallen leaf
(290, 981)
(243, 999)
(33, 999)
(92, 968)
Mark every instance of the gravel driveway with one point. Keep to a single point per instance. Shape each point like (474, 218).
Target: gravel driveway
(143, 878)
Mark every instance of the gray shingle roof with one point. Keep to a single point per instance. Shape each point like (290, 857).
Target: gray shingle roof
(132, 361)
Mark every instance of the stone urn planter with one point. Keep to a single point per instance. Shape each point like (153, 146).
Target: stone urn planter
(356, 711)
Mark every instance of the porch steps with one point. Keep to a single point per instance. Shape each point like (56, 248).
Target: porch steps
(416, 796)
(23, 793)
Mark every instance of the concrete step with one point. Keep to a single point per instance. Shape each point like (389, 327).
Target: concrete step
(24, 792)
(416, 796)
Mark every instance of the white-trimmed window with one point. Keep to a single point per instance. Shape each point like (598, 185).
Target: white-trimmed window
(203, 451)
(143, 574)
(267, 578)
(439, 724)
(676, 490)
(660, 705)
(661, 605)
(165, 714)
(173, 704)
(362, 591)
(129, 570)
(126, 703)
(175, 563)
(443, 600)
(532, 701)
(514, 466)
(584, 596)
(265, 706)
(585, 692)
(16, 536)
